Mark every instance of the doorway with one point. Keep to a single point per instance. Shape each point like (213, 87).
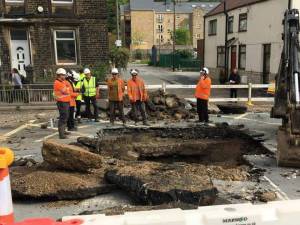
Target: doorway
(20, 52)
(266, 63)
(233, 58)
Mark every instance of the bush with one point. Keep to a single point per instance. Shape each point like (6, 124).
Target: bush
(184, 54)
(100, 71)
(119, 57)
(138, 54)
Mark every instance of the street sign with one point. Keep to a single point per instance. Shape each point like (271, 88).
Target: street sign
(118, 43)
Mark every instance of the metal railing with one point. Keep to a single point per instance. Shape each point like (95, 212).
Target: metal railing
(36, 95)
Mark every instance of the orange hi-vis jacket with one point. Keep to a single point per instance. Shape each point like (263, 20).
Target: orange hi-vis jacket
(61, 91)
(134, 87)
(121, 88)
(203, 88)
(72, 94)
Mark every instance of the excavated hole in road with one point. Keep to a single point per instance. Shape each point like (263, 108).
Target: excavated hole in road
(163, 165)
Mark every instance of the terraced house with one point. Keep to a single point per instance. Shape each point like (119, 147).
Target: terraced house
(252, 39)
(46, 34)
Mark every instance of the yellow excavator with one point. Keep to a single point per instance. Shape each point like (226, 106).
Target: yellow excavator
(287, 95)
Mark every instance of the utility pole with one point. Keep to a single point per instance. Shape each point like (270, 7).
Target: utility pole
(174, 32)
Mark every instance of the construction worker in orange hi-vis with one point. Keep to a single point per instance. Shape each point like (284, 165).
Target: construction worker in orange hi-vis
(116, 89)
(138, 96)
(62, 95)
(202, 95)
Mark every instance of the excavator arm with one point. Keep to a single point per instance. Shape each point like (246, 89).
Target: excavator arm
(287, 95)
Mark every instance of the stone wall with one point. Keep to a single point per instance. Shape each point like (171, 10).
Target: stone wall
(86, 17)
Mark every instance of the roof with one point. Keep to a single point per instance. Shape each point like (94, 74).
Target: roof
(232, 4)
(183, 7)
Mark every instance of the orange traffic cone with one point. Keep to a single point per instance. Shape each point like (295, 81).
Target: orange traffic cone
(6, 206)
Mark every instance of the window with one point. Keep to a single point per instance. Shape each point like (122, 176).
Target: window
(198, 36)
(221, 56)
(160, 18)
(18, 34)
(212, 29)
(230, 24)
(242, 57)
(160, 39)
(160, 28)
(243, 22)
(65, 47)
(62, 1)
(15, 1)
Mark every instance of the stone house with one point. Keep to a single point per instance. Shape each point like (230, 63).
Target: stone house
(47, 34)
(147, 22)
(254, 38)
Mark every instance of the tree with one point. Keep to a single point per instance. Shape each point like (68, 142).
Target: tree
(112, 18)
(119, 57)
(183, 36)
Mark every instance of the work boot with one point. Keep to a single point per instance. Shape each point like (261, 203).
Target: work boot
(72, 129)
(61, 132)
(124, 123)
(135, 123)
(79, 120)
(96, 120)
(67, 133)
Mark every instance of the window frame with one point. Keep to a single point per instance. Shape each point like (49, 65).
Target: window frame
(240, 54)
(65, 39)
(243, 16)
(15, 1)
(62, 2)
(230, 22)
(218, 56)
(210, 33)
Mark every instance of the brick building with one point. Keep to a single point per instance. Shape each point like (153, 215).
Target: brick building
(146, 23)
(48, 34)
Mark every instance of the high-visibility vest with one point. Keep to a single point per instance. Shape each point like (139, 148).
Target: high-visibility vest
(72, 94)
(79, 86)
(121, 88)
(89, 87)
(203, 88)
(136, 86)
(61, 91)
(82, 76)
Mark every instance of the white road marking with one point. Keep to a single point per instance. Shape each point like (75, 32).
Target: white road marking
(47, 137)
(241, 116)
(280, 193)
(7, 135)
(258, 121)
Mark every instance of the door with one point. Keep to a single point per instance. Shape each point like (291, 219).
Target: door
(233, 57)
(266, 63)
(20, 53)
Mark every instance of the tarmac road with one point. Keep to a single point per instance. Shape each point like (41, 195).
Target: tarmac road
(28, 141)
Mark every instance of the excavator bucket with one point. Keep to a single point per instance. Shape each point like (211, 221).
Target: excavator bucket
(288, 152)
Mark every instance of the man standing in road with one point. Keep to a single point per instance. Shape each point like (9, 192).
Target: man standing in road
(90, 92)
(116, 88)
(63, 98)
(234, 79)
(202, 95)
(138, 96)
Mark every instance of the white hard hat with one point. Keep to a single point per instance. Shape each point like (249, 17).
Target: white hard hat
(86, 71)
(134, 72)
(75, 75)
(114, 71)
(205, 70)
(61, 71)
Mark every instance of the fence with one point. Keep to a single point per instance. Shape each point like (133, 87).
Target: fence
(42, 94)
(179, 62)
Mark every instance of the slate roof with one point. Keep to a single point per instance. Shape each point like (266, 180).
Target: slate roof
(183, 7)
(232, 4)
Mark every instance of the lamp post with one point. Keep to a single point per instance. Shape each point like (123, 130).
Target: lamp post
(174, 32)
(118, 24)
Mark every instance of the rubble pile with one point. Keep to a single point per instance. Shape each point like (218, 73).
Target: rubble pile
(155, 166)
(163, 106)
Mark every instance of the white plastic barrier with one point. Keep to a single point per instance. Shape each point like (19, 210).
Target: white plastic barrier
(275, 213)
